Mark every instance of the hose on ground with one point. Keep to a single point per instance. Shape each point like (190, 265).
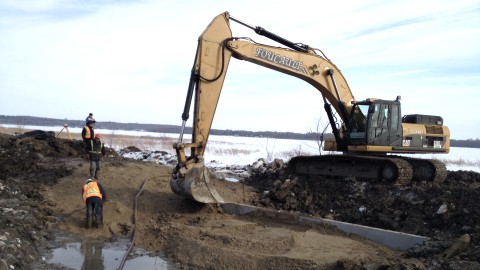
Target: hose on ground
(132, 241)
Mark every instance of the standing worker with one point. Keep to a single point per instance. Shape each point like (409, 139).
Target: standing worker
(96, 151)
(93, 196)
(89, 118)
(88, 131)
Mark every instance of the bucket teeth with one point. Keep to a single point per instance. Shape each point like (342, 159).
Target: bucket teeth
(193, 181)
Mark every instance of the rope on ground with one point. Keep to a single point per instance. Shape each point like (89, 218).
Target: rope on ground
(74, 211)
(132, 241)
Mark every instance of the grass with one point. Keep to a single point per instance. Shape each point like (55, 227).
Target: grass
(461, 162)
(141, 142)
(229, 151)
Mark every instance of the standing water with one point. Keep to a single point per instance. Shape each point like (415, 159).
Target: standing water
(96, 254)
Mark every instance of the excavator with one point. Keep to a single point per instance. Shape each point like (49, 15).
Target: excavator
(370, 138)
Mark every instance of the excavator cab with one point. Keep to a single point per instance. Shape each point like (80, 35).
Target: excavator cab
(375, 122)
(358, 129)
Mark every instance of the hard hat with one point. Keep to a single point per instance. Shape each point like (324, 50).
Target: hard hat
(97, 136)
(88, 181)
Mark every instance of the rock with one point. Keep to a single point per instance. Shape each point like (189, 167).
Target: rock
(276, 164)
(397, 213)
(442, 209)
(460, 245)
(260, 163)
(3, 265)
(277, 183)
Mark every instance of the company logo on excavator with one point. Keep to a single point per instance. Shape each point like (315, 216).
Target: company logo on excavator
(279, 59)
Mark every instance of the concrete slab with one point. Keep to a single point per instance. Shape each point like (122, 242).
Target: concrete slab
(392, 239)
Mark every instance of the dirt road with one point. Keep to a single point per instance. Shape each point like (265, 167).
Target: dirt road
(201, 236)
(41, 181)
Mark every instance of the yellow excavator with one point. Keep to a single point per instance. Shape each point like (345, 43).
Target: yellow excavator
(369, 136)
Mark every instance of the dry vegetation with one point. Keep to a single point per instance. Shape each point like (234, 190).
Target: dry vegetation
(147, 143)
(113, 140)
(164, 143)
(462, 162)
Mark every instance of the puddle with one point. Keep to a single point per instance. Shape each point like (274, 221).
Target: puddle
(93, 254)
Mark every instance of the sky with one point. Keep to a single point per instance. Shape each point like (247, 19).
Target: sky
(130, 61)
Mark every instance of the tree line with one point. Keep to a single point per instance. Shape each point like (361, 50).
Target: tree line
(157, 128)
(470, 143)
(21, 121)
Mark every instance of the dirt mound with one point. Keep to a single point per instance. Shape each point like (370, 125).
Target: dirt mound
(38, 154)
(444, 212)
(29, 164)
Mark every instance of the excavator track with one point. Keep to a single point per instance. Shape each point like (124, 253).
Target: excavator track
(381, 169)
(429, 170)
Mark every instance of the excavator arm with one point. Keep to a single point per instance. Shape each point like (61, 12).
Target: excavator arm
(215, 48)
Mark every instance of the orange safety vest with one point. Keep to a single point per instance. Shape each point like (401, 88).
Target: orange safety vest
(91, 189)
(87, 133)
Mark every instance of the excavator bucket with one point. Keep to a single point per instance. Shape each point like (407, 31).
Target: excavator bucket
(193, 181)
(190, 178)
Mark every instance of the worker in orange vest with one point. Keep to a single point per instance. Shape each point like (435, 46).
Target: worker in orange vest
(88, 131)
(94, 196)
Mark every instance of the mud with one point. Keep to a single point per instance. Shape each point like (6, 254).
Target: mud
(41, 177)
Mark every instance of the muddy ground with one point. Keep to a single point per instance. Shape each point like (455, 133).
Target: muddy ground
(40, 192)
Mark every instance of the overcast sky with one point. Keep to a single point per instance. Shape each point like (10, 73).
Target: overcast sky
(130, 61)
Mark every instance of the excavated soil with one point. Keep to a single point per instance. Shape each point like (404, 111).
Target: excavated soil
(40, 192)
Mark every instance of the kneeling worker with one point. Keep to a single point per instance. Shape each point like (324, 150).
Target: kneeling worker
(93, 196)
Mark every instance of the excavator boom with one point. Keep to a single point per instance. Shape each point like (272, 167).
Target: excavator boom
(215, 48)
(190, 178)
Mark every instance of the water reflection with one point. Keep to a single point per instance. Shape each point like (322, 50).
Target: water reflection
(93, 254)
